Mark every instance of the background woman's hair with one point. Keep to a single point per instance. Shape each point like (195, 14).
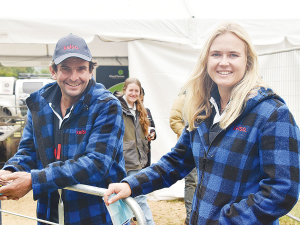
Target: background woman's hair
(199, 85)
(139, 105)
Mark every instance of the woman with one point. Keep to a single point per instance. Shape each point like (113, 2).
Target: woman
(135, 143)
(242, 137)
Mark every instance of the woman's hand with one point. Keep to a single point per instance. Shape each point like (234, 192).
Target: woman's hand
(122, 190)
(151, 136)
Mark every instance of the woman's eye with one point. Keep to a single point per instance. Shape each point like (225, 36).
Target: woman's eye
(215, 54)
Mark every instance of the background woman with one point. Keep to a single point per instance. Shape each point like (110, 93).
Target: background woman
(242, 137)
(135, 143)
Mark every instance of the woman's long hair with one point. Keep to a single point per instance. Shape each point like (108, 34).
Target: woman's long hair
(139, 105)
(199, 85)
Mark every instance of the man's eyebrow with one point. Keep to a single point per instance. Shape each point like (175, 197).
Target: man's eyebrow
(64, 66)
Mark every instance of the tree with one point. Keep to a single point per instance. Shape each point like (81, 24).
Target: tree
(45, 71)
(14, 71)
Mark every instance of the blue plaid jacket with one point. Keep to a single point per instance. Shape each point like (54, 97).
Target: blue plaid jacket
(91, 153)
(249, 174)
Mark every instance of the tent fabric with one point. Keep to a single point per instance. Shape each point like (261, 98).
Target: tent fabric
(162, 69)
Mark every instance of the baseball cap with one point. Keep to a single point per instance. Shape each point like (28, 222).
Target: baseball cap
(71, 46)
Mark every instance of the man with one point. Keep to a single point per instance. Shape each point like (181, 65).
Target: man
(74, 135)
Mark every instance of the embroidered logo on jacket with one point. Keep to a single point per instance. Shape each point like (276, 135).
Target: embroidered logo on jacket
(81, 131)
(240, 128)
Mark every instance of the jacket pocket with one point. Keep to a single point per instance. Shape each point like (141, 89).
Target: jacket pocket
(130, 155)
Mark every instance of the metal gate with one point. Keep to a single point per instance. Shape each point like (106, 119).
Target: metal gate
(137, 211)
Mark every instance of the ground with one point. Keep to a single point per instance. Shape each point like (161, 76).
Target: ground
(164, 212)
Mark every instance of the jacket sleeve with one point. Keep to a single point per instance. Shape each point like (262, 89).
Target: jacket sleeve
(150, 118)
(103, 149)
(172, 167)
(279, 164)
(176, 122)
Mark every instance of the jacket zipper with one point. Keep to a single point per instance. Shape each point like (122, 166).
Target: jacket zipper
(59, 154)
(204, 161)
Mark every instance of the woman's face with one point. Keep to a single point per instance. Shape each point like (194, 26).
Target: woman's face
(227, 61)
(132, 93)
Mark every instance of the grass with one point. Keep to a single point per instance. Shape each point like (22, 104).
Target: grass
(286, 220)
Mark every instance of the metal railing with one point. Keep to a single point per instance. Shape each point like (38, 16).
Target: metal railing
(293, 217)
(137, 211)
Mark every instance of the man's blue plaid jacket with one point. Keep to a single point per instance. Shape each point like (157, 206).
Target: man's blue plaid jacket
(249, 174)
(91, 153)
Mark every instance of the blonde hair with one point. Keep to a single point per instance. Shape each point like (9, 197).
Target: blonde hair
(199, 85)
(139, 105)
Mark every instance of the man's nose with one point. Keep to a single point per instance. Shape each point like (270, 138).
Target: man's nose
(74, 75)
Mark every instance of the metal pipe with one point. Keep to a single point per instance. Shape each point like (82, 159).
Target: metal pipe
(28, 217)
(136, 209)
(293, 217)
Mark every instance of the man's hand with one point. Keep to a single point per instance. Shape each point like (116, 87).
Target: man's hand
(19, 185)
(3, 172)
(122, 190)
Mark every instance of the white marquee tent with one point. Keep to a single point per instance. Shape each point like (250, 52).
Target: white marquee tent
(158, 40)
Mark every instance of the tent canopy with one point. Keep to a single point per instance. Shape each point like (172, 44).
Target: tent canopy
(30, 29)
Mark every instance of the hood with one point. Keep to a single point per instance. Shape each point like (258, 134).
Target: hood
(124, 105)
(263, 94)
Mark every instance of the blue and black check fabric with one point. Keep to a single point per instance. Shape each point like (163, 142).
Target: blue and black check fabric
(91, 153)
(248, 174)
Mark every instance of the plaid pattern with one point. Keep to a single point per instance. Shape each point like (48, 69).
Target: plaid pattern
(248, 175)
(92, 154)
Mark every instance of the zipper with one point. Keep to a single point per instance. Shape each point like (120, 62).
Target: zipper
(59, 153)
(205, 158)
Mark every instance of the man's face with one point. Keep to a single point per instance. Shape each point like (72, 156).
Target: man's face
(72, 76)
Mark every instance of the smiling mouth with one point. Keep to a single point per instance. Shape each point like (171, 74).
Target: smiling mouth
(224, 72)
(73, 85)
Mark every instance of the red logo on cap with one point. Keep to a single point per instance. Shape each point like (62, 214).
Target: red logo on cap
(71, 47)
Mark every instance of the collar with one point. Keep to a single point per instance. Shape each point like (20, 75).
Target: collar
(53, 97)
(215, 101)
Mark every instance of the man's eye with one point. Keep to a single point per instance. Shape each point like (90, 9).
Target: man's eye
(65, 69)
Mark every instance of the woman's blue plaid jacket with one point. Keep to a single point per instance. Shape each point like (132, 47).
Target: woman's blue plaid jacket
(91, 153)
(249, 174)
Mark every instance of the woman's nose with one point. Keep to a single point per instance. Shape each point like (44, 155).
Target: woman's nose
(224, 61)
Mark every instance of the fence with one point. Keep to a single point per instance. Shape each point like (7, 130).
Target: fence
(138, 213)
(281, 70)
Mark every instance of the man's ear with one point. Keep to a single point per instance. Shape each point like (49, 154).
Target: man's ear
(52, 72)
